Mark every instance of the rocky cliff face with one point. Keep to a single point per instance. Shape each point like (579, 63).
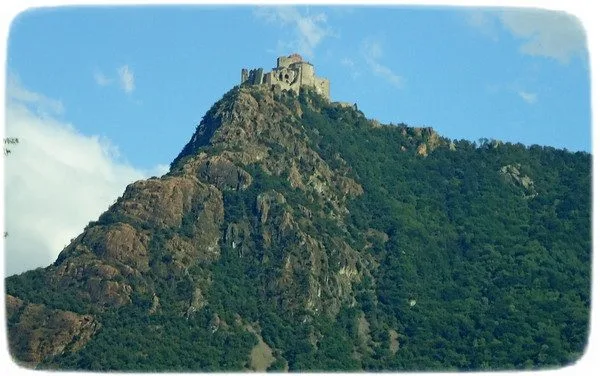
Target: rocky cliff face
(260, 129)
(165, 227)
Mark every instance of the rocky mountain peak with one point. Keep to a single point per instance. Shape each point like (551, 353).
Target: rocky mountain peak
(297, 231)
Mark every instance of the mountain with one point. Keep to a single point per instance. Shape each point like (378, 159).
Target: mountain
(293, 233)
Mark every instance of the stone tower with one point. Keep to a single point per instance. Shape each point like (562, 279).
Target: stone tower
(291, 73)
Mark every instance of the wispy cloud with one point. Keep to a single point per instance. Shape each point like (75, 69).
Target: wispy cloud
(551, 34)
(528, 97)
(56, 179)
(43, 105)
(387, 73)
(372, 53)
(309, 30)
(347, 62)
(351, 66)
(126, 79)
(101, 79)
(484, 22)
(513, 88)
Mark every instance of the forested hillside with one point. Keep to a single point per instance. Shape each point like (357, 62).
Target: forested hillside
(296, 234)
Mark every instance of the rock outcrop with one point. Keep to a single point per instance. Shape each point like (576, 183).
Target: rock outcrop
(36, 332)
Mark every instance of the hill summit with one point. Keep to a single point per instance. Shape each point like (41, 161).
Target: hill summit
(292, 233)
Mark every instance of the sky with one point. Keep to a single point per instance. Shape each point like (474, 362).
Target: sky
(100, 97)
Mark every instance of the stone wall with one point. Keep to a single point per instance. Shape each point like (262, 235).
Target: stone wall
(286, 61)
(322, 86)
(291, 73)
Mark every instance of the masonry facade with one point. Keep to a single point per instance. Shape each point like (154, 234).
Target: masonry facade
(291, 73)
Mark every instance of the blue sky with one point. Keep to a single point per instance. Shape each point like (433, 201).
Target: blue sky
(462, 72)
(100, 97)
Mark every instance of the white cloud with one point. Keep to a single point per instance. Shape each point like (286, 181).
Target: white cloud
(373, 52)
(528, 97)
(552, 34)
(126, 79)
(309, 30)
(56, 180)
(101, 79)
(556, 35)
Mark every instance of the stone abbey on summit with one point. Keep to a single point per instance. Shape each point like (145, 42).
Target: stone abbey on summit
(291, 73)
